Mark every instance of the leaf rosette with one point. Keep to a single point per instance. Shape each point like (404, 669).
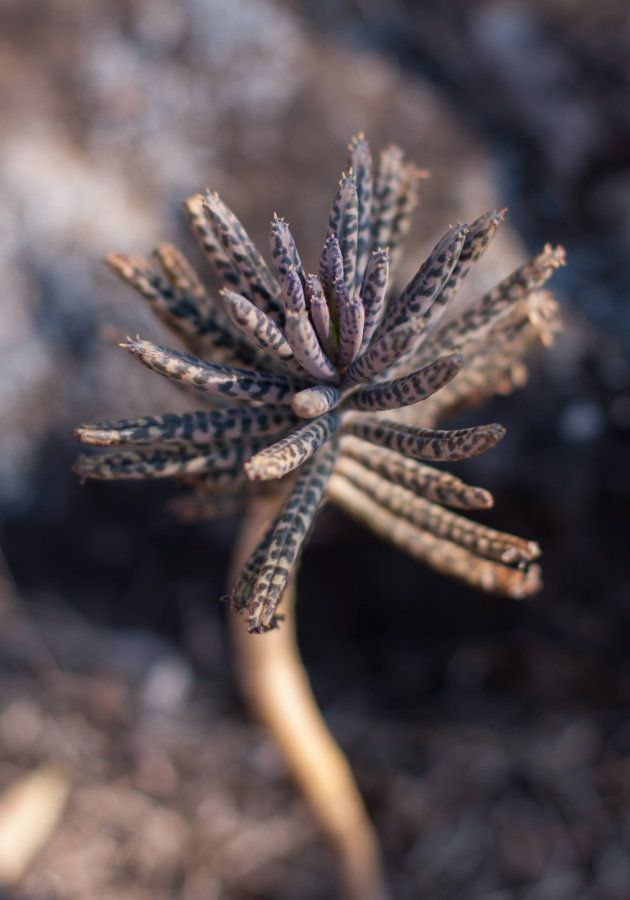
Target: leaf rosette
(335, 380)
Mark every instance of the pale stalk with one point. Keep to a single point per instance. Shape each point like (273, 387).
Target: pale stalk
(277, 690)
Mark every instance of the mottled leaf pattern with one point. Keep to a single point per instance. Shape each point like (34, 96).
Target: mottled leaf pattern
(427, 283)
(306, 348)
(165, 462)
(293, 299)
(181, 313)
(351, 318)
(361, 168)
(288, 453)
(496, 303)
(320, 315)
(331, 275)
(240, 423)
(259, 283)
(385, 196)
(241, 593)
(440, 554)
(493, 362)
(209, 243)
(181, 275)
(340, 299)
(384, 353)
(284, 253)
(479, 235)
(373, 291)
(406, 202)
(224, 381)
(432, 517)
(261, 331)
(434, 484)
(408, 389)
(424, 443)
(312, 362)
(343, 224)
(267, 577)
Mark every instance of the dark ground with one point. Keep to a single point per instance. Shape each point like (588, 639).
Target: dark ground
(491, 739)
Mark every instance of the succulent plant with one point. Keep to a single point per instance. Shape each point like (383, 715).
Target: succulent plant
(335, 380)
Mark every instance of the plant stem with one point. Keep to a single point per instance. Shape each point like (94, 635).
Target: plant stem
(276, 688)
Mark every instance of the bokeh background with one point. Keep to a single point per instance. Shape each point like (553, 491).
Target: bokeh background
(491, 739)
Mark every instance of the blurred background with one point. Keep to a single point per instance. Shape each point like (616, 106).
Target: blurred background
(491, 739)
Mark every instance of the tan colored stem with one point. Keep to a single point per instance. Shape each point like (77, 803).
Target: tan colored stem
(277, 690)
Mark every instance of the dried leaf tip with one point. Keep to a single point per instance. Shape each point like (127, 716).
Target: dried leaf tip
(358, 138)
(130, 343)
(557, 255)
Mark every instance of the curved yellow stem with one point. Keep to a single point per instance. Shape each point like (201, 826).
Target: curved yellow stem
(276, 687)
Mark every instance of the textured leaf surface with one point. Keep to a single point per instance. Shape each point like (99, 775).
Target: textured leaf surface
(225, 381)
(373, 291)
(290, 452)
(210, 244)
(343, 224)
(409, 389)
(236, 424)
(498, 302)
(424, 443)
(182, 314)
(320, 316)
(361, 167)
(440, 554)
(479, 235)
(219, 464)
(351, 319)
(261, 331)
(265, 575)
(259, 284)
(307, 349)
(428, 281)
(383, 353)
(434, 484)
(181, 275)
(331, 273)
(284, 253)
(432, 517)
